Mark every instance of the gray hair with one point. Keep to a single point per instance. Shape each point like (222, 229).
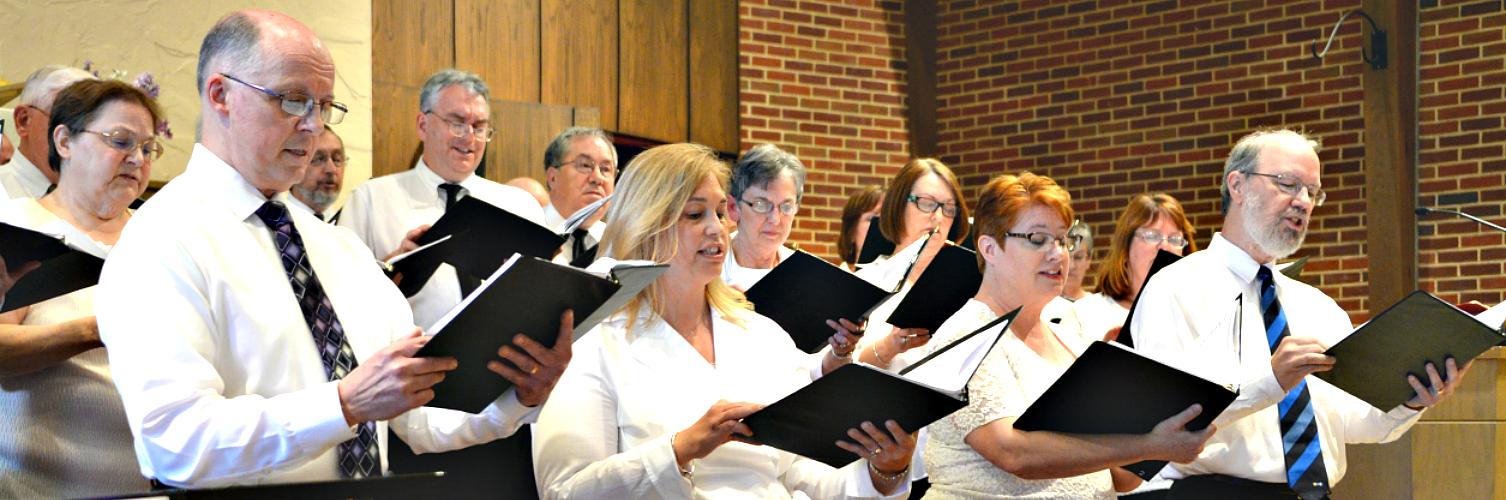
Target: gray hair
(554, 155)
(1246, 154)
(43, 85)
(763, 164)
(234, 43)
(445, 78)
(1080, 229)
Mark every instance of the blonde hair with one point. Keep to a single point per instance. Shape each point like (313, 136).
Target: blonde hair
(645, 210)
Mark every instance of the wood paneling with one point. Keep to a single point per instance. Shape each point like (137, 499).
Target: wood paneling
(499, 40)
(579, 52)
(1458, 460)
(713, 109)
(1391, 155)
(411, 39)
(652, 90)
(524, 130)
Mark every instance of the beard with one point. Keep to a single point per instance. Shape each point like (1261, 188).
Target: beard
(1272, 236)
(317, 199)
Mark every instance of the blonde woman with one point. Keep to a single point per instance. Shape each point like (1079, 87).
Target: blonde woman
(656, 393)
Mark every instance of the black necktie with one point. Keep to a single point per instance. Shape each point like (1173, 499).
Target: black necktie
(1299, 430)
(358, 456)
(319, 215)
(453, 192)
(581, 255)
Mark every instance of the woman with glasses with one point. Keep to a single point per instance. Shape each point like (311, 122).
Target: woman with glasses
(653, 396)
(924, 198)
(1078, 262)
(65, 432)
(767, 185)
(976, 453)
(1150, 223)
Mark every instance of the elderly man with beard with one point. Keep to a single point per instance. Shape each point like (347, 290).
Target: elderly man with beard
(320, 187)
(1284, 436)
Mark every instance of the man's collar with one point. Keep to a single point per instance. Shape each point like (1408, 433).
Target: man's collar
(1237, 259)
(30, 172)
(552, 217)
(432, 179)
(225, 182)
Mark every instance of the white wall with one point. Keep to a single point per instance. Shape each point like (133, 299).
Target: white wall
(163, 36)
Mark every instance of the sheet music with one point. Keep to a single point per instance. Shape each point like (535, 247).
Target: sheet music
(1494, 317)
(579, 217)
(952, 369)
(454, 311)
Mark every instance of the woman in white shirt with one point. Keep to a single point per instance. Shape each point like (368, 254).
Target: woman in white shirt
(652, 398)
(63, 430)
(1150, 223)
(976, 453)
(764, 196)
(924, 197)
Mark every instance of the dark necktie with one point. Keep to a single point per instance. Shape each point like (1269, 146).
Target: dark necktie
(452, 194)
(580, 254)
(319, 215)
(358, 456)
(1305, 472)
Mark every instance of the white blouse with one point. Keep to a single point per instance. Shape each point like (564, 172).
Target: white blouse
(605, 434)
(63, 430)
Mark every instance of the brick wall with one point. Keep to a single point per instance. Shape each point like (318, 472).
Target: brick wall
(1114, 98)
(825, 80)
(1462, 166)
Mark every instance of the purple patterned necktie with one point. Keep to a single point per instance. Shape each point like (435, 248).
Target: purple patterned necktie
(358, 456)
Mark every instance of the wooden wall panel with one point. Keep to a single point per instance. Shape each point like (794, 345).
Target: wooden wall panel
(524, 129)
(713, 109)
(652, 94)
(411, 39)
(578, 39)
(499, 40)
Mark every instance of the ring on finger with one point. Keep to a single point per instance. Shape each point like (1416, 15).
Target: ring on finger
(534, 370)
(874, 453)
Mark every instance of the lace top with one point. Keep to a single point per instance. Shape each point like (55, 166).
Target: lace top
(1010, 378)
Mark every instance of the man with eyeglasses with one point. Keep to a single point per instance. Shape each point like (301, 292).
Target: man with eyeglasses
(390, 212)
(1284, 436)
(27, 175)
(321, 183)
(251, 343)
(580, 166)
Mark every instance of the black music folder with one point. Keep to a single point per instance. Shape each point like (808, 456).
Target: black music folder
(945, 286)
(483, 237)
(802, 292)
(874, 244)
(811, 420)
(1294, 268)
(1111, 389)
(525, 296)
(65, 268)
(1163, 259)
(1374, 361)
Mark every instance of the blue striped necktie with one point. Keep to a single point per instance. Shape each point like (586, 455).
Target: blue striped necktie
(358, 455)
(1305, 472)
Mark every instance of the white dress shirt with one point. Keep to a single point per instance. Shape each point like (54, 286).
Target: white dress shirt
(734, 274)
(1094, 314)
(631, 390)
(294, 202)
(556, 222)
(1183, 318)
(21, 179)
(213, 359)
(381, 211)
(63, 431)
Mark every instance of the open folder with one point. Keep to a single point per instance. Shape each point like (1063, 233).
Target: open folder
(1373, 362)
(483, 237)
(811, 420)
(67, 265)
(1163, 259)
(1112, 389)
(945, 286)
(802, 292)
(526, 295)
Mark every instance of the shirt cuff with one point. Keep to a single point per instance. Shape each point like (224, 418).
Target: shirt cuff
(1402, 413)
(860, 483)
(320, 422)
(663, 470)
(511, 408)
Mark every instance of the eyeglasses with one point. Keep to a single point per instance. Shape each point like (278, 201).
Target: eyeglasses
(586, 167)
(764, 207)
(1155, 238)
(461, 129)
(122, 141)
(1038, 240)
(320, 158)
(929, 205)
(299, 105)
(1291, 185)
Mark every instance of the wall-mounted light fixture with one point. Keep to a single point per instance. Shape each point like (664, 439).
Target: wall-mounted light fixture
(1377, 54)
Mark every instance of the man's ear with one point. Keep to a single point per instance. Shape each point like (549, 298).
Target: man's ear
(421, 122)
(217, 94)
